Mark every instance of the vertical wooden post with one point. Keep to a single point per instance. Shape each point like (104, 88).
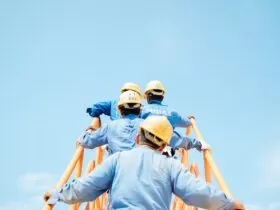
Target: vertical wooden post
(188, 130)
(92, 203)
(178, 203)
(194, 170)
(99, 157)
(185, 161)
(207, 169)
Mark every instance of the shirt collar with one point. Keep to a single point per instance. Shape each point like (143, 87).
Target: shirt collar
(130, 116)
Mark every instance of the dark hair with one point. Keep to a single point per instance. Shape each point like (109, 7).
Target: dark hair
(151, 97)
(124, 111)
(145, 141)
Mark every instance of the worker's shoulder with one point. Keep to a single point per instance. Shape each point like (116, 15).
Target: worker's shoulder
(173, 112)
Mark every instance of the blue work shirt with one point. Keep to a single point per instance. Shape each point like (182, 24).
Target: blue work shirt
(108, 108)
(157, 108)
(120, 135)
(142, 179)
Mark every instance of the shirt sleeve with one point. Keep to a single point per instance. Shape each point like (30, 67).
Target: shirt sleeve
(100, 108)
(96, 138)
(179, 121)
(177, 141)
(195, 192)
(90, 187)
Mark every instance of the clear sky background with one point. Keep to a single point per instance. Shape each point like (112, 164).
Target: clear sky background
(219, 61)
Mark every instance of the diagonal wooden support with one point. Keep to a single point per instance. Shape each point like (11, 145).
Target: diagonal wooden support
(209, 161)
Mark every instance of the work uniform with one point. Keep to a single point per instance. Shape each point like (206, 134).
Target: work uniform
(142, 179)
(159, 109)
(120, 135)
(108, 108)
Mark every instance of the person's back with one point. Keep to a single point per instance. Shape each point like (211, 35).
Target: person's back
(142, 180)
(154, 93)
(155, 108)
(122, 133)
(145, 179)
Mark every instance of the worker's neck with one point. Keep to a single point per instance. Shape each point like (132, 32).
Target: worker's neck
(148, 146)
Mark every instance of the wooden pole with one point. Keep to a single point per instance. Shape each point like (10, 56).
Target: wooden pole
(188, 130)
(208, 159)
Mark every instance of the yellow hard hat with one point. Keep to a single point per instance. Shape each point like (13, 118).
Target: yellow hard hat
(154, 85)
(131, 86)
(159, 127)
(130, 97)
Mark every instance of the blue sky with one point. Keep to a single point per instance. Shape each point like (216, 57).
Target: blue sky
(219, 61)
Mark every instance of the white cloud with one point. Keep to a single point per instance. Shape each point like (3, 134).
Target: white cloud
(36, 182)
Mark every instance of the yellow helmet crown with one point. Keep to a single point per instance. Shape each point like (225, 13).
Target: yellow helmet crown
(154, 85)
(159, 127)
(131, 86)
(130, 97)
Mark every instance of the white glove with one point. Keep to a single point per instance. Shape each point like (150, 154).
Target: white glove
(205, 146)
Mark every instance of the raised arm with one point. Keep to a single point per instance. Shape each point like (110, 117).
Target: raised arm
(100, 108)
(87, 188)
(195, 192)
(179, 121)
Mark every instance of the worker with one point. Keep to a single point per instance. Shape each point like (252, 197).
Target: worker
(118, 134)
(142, 178)
(109, 108)
(154, 93)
